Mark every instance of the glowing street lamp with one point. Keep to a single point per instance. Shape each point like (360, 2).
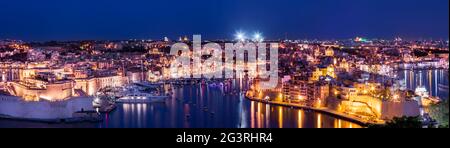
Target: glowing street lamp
(257, 37)
(240, 36)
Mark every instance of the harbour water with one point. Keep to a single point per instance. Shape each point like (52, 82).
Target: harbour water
(205, 107)
(202, 106)
(435, 81)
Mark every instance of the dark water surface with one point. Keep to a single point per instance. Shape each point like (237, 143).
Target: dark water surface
(203, 107)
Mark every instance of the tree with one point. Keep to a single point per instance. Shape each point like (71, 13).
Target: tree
(439, 112)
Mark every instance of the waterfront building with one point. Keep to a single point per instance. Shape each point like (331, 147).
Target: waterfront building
(329, 52)
(90, 86)
(11, 71)
(348, 92)
(321, 92)
(136, 76)
(296, 88)
(43, 110)
(36, 90)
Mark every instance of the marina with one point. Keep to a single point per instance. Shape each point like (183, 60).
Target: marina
(196, 106)
(220, 105)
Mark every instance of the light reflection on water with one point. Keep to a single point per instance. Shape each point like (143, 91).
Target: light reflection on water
(197, 107)
(435, 81)
(203, 107)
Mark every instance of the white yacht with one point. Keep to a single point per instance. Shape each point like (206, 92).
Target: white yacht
(422, 91)
(425, 98)
(141, 98)
(133, 95)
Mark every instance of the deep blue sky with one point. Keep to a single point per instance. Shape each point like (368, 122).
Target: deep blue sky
(40, 20)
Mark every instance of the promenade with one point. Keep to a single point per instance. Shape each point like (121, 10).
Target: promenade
(352, 118)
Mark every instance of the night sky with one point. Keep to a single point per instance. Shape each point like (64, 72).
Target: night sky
(41, 20)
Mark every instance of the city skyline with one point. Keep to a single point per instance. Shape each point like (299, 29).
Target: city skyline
(111, 20)
(224, 64)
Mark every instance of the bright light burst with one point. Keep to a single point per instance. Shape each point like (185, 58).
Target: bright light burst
(240, 36)
(257, 37)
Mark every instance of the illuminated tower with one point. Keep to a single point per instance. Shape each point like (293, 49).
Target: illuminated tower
(4, 77)
(329, 52)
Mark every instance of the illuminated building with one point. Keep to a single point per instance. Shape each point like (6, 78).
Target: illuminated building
(296, 88)
(367, 88)
(80, 74)
(299, 90)
(104, 65)
(343, 65)
(4, 77)
(90, 86)
(35, 90)
(348, 92)
(10, 71)
(16, 107)
(321, 92)
(135, 76)
(359, 39)
(329, 52)
(36, 55)
(323, 72)
(380, 109)
(153, 76)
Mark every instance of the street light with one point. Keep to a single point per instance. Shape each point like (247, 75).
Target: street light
(240, 36)
(257, 37)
